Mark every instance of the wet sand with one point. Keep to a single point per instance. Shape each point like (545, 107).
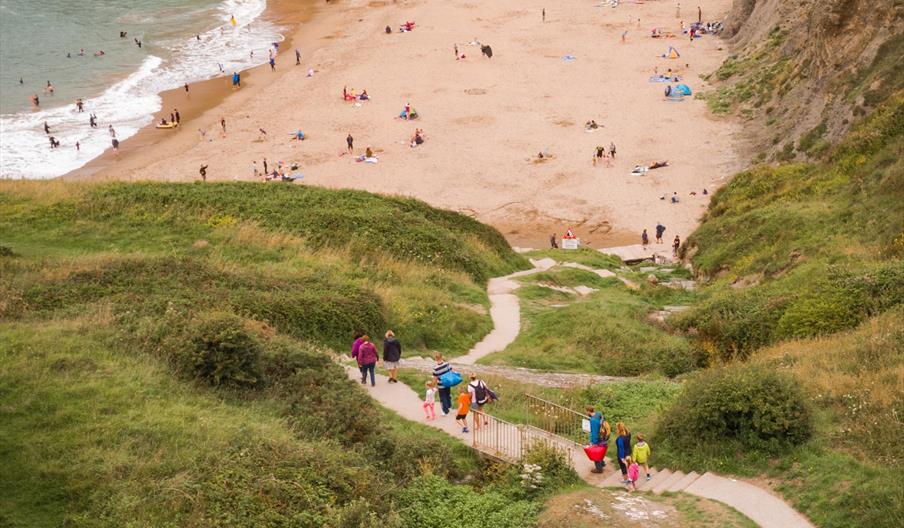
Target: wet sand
(485, 120)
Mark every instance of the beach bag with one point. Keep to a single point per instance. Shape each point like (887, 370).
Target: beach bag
(480, 393)
(596, 453)
(492, 395)
(450, 379)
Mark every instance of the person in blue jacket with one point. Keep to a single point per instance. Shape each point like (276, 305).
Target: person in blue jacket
(623, 444)
(599, 435)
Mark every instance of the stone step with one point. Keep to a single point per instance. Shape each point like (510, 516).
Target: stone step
(646, 485)
(683, 483)
(615, 479)
(664, 485)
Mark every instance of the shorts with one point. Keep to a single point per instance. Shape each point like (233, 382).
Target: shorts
(461, 416)
(389, 365)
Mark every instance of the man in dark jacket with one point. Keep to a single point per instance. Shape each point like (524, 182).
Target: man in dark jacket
(392, 353)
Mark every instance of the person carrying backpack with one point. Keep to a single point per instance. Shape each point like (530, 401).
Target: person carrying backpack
(480, 395)
(445, 393)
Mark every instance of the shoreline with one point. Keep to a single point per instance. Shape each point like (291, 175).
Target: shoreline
(484, 119)
(203, 96)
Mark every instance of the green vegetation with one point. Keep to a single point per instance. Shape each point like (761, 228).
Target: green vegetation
(605, 332)
(839, 263)
(164, 361)
(748, 404)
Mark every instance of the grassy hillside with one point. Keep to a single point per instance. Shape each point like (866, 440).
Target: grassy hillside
(164, 357)
(803, 268)
(806, 249)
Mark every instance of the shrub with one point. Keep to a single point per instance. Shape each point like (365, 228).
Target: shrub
(221, 352)
(750, 404)
(434, 502)
(544, 469)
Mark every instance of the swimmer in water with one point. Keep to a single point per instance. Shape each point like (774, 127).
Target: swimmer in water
(35, 101)
(21, 81)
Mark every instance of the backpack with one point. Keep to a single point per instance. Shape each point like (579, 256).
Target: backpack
(480, 392)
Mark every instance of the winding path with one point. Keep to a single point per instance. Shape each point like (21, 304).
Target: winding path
(758, 504)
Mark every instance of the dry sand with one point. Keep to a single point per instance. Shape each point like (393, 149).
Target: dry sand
(484, 119)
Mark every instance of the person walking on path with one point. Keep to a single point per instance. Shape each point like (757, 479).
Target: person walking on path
(641, 454)
(480, 395)
(445, 393)
(392, 353)
(633, 473)
(675, 245)
(660, 229)
(464, 404)
(430, 400)
(644, 239)
(623, 446)
(552, 241)
(350, 141)
(599, 435)
(367, 360)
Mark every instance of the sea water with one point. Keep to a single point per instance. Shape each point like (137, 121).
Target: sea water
(57, 41)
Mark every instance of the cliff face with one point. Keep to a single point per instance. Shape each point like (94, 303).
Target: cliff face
(805, 70)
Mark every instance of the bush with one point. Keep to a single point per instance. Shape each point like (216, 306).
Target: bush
(543, 470)
(434, 502)
(751, 404)
(221, 352)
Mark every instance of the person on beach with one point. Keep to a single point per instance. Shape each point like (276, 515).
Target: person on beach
(633, 473)
(480, 395)
(660, 229)
(445, 393)
(641, 454)
(297, 57)
(112, 131)
(272, 64)
(254, 172)
(675, 245)
(186, 88)
(92, 120)
(115, 143)
(675, 198)
(350, 141)
(262, 134)
(624, 36)
(612, 149)
(455, 49)
(367, 360)
(78, 146)
(392, 353)
(176, 116)
(236, 80)
(599, 435)
(464, 404)
(223, 125)
(430, 400)
(172, 118)
(644, 239)
(543, 15)
(699, 15)
(678, 11)
(600, 152)
(265, 173)
(623, 447)
(203, 172)
(79, 105)
(46, 128)
(53, 142)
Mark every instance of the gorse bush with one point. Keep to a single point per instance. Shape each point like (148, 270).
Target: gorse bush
(752, 405)
(221, 352)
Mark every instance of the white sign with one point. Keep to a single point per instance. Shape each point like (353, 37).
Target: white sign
(585, 425)
(571, 243)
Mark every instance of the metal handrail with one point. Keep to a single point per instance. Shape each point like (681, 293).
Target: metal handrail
(510, 442)
(556, 419)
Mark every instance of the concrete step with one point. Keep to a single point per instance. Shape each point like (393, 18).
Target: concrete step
(615, 479)
(664, 485)
(684, 482)
(646, 485)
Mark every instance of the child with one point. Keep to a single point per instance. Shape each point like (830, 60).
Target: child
(641, 454)
(464, 403)
(633, 471)
(430, 400)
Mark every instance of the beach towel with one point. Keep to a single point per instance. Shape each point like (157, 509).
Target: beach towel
(664, 79)
(569, 58)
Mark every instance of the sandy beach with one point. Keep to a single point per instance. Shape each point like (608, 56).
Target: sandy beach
(484, 120)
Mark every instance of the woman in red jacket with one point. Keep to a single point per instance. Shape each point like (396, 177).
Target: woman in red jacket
(367, 359)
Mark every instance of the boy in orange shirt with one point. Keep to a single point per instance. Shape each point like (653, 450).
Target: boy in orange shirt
(464, 403)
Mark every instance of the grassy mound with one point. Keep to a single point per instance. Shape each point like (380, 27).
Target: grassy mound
(164, 362)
